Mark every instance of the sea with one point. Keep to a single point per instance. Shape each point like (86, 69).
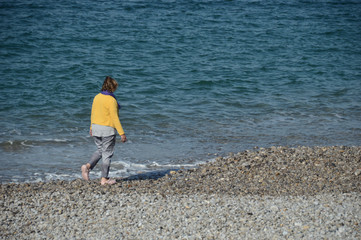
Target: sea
(198, 79)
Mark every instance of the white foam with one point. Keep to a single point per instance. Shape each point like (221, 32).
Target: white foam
(155, 164)
(129, 165)
(56, 140)
(118, 169)
(26, 145)
(152, 166)
(15, 131)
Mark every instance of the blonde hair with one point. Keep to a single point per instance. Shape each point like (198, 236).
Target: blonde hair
(110, 84)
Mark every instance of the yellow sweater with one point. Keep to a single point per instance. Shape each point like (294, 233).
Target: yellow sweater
(105, 112)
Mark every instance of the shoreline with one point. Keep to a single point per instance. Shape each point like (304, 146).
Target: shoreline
(244, 194)
(301, 170)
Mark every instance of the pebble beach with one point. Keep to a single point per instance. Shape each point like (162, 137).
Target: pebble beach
(263, 193)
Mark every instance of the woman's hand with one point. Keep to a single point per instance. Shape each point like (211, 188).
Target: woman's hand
(90, 132)
(124, 138)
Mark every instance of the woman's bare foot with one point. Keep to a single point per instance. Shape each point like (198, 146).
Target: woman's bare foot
(85, 172)
(105, 181)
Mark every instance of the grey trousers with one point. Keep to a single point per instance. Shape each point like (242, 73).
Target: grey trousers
(105, 150)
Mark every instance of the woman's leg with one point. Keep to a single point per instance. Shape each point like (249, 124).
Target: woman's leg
(97, 155)
(107, 153)
(93, 160)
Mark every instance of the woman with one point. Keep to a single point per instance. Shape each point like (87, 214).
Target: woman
(104, 125)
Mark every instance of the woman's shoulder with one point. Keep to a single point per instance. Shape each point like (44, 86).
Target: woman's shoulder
(100, 95)
(105, 98)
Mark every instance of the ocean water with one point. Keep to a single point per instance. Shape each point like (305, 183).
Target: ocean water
(197, 79)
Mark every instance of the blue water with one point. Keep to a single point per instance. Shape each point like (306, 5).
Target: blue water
(198, 79)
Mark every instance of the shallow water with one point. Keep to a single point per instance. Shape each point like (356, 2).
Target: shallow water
(197, 79)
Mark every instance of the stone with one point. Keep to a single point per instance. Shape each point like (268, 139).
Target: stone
(220, 199)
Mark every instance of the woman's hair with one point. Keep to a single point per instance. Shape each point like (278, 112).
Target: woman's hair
(109, 84)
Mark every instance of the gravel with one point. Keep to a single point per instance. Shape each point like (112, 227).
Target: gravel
(265, 193)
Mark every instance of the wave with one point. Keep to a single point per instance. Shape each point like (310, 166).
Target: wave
(19, 145)
(119, 169)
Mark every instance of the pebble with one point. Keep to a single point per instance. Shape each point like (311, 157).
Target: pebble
(267, 193)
